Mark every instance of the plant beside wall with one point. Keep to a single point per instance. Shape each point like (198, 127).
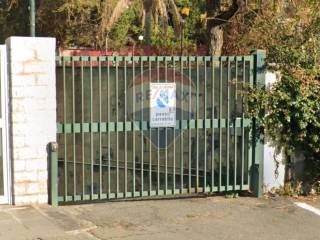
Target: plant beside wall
(292, 119)
(289, 110)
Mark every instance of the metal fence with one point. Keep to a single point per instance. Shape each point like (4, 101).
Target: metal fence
(107, 149)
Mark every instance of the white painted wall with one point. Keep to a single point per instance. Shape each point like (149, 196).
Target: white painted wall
(32, 121)
(274, 167)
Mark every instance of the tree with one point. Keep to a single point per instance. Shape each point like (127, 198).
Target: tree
(110, 15)
(156, 16)
(291, 37)
(219, 18)
(116, 23)
(14, 18)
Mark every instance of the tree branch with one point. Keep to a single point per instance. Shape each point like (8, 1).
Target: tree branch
(225, 16)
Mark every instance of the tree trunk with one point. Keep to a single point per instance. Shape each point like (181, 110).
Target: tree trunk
(216, 41)
(176, 18)
(163, 14)
(288, 168)
(217, 20)
(147, 5)
(148, 27)
(109, 17)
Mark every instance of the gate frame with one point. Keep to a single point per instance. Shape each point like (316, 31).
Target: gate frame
(53, 173)
(257, 141)
(258, 136)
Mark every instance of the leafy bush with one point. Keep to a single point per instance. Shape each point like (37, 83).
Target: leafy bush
(289, 110)
(292, 107)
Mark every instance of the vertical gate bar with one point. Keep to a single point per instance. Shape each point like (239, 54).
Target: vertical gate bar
(54, 173)
(235, 133)
(228, 124)
(158, 141)
(212, 123)
(150, 136)
(125, 130)
(117, 130)
(108, 128)
(197, 127)
(100, 132)
(250, 151)
(133, 130)
(82, 132)
(257, 135)
(242, 119)
(91, 123)
(182, 124)
(220, 124)
(205, 126)
(165, 138)
(174, 140)
(142, 126)
(73, 133)
(65, 134)
(189, 127)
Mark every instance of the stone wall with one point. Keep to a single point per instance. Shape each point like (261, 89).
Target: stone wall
(32, 97)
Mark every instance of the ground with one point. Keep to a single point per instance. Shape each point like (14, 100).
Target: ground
(193, 218)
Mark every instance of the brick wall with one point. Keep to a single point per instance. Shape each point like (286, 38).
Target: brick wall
(32, 118)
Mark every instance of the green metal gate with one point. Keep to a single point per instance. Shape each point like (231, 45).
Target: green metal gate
(107, 149)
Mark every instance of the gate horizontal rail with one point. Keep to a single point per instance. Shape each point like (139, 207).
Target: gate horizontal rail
(107, 149)
(137, 126)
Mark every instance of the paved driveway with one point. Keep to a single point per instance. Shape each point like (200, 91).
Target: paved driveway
(197, 218)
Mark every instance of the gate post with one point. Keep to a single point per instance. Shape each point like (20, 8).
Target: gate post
(257, 135)
(32, 115)
(53, 157)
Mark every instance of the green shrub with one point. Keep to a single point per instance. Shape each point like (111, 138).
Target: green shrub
(289, 110)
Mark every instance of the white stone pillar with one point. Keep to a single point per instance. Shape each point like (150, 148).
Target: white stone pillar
(274, 166)
(32, 115)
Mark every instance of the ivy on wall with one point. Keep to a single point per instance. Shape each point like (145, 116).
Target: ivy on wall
(289, 110)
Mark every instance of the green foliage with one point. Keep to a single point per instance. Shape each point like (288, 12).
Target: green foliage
(14, 19)
(293, 112)
(80, 23)
(170, 45)
(289, 110)
(194, 33)
(127, 28)
(193, 30)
